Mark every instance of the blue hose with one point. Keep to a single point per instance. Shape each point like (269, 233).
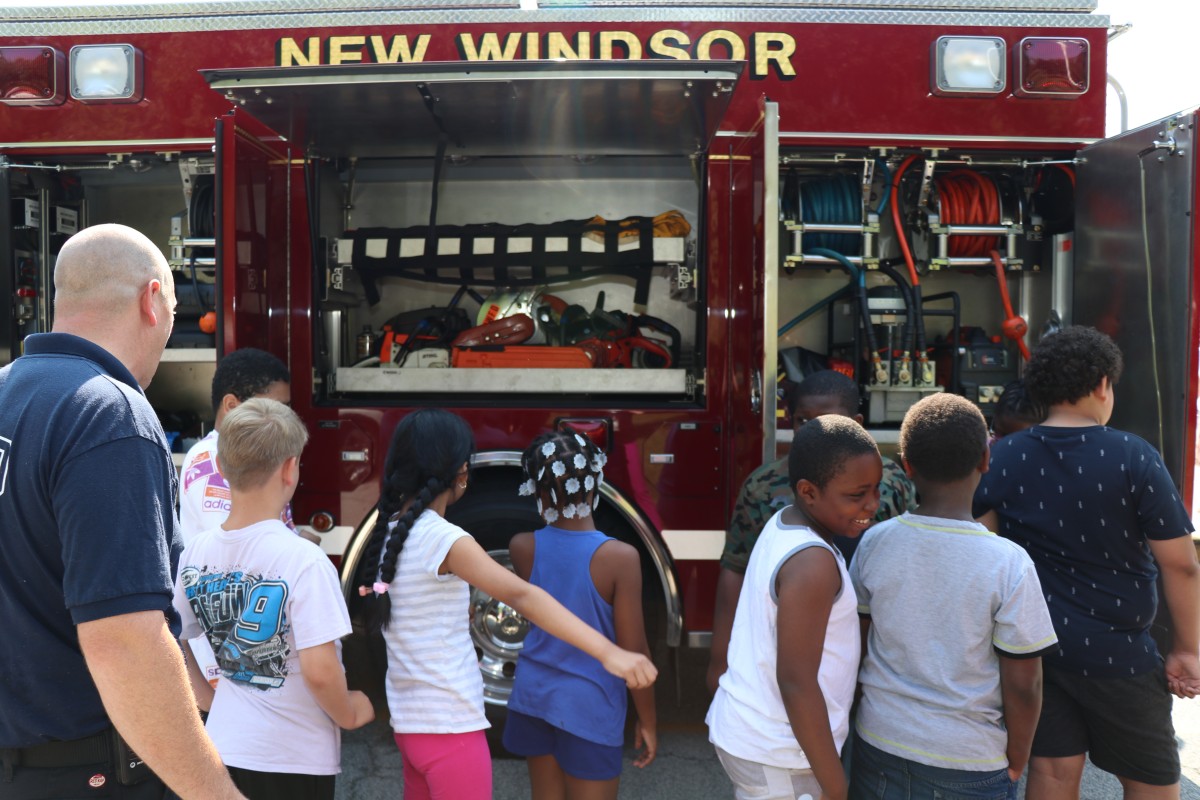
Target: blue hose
(881, 165)
(814, 308)
(832, 200)
(859, 277)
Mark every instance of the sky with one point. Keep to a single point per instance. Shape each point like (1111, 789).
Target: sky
(1152, 60)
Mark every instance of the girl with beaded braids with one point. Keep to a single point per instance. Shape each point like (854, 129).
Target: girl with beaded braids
(417, 568)
(566, 715)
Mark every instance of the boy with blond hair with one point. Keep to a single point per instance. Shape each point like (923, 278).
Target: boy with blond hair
(271, 606)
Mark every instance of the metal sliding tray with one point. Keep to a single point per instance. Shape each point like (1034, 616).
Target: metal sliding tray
(502, 380)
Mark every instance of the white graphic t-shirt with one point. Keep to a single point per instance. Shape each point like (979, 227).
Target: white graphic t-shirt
(260, 595)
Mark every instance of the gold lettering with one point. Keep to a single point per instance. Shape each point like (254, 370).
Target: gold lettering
(399, 52)
(660, 46)
(737, 49)
(632, 45)
(773, 49)
(488, 48)
(533, 45)
(338, 54)
(559, 46)
(290, 54)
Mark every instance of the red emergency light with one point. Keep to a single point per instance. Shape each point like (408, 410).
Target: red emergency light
(1052, 67)
(32, 76)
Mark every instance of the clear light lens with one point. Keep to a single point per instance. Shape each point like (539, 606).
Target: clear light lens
(1053, 66)
(105, 72)
(969, 64)
(32, 76)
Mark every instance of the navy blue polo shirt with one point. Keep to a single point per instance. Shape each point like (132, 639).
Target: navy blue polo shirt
(1084, 502)
(87, 527)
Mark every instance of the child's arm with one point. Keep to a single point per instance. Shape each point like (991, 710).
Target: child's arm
(471, 562)
(1176, 559)
(806, 586)
(520, 550)
(325, 678)
(622, 562)
(729, 586)
(1021, 691)
(201, 688)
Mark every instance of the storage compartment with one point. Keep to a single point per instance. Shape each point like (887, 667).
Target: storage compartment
(983, 247)
(53, 197)
(623, 299)
(447, 198)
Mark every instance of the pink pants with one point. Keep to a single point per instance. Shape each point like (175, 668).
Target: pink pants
(446, 766)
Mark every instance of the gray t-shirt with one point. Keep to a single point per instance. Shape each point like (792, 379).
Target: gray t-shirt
(946, 598)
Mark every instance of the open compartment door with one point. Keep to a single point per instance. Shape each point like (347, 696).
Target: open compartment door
(744, 236)
(620, 139)
(253, 235)
(533, 108)
(1135, 279)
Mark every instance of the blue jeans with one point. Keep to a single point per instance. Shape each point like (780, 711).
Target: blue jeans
(876, 775)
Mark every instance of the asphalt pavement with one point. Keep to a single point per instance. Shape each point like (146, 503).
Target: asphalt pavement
(686, 768)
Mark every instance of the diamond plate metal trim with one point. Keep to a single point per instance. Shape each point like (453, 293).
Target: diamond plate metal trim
(122, 19)
(938, 5)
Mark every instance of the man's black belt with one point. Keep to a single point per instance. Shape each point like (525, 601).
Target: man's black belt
(76, 752)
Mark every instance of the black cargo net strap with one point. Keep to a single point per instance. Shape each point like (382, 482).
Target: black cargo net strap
(484, 257)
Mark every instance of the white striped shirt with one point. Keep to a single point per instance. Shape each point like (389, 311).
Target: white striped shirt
(433, 680)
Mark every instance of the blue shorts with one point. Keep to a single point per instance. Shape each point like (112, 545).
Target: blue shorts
(529, 736)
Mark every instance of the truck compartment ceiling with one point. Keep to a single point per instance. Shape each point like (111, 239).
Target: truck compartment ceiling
(576, 108)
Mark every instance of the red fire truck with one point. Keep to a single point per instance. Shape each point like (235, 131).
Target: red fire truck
(633, 218)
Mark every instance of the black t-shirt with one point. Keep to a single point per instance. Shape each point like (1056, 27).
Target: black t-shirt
(1083, 502)
(87, 526)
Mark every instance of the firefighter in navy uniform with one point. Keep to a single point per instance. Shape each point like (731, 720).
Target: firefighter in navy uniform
(88, 530)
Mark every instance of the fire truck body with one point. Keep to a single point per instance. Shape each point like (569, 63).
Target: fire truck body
(397, 174)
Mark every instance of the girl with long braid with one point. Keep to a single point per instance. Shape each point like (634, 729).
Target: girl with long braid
(566, 715)
(419, 567)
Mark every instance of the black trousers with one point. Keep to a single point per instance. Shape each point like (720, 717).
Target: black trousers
(282, 785)
(78, 783)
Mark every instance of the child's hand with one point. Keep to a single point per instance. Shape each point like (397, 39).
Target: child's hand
(645, 735)
(364, 712)
(635, 669)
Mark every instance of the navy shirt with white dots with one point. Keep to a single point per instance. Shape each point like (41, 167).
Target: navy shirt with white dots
(1084, 502)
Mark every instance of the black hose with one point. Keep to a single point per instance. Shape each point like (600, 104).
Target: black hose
(955, 329)
(918, 303)
(910, 311)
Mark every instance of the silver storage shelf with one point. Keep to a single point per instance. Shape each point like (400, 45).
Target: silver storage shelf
(505, 380)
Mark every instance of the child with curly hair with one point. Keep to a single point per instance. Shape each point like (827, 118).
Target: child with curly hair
(1015, 411)
(1101, 518)
(418, 568)
(566, 714)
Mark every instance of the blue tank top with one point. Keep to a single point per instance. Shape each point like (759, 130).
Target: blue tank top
(555, 681)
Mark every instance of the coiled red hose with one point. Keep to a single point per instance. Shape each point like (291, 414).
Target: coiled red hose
(969, 198)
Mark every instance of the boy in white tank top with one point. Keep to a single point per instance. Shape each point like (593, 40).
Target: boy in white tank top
(781, 712)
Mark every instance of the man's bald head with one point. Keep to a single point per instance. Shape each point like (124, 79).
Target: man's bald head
(103, 269)
(114, 288)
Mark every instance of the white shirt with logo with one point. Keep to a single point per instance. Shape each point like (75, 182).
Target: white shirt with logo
(204, 503)
(260, 595)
